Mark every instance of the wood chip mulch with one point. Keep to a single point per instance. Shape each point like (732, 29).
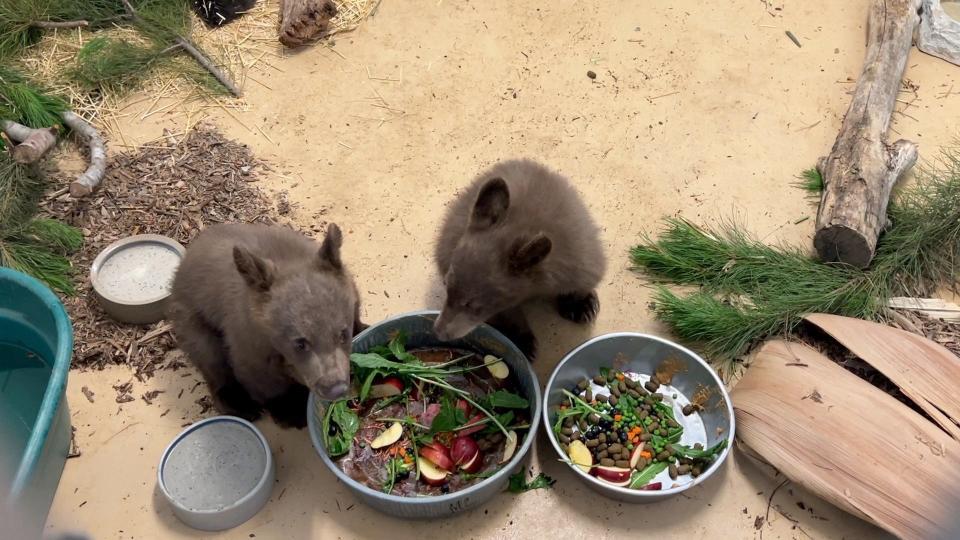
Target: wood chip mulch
(175, 188)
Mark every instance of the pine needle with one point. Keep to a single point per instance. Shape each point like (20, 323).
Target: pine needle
(750, 291)
(27, 103)
(811, 181)
(20, 191)
(39, 248)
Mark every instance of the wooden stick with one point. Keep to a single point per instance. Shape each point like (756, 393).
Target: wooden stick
(87, 182)
(50, 25)
(862, 168)
(34, 143)
(208, 64)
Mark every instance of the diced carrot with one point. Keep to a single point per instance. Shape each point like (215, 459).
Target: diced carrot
(403, 452)
(617, 417)
(646, 454)
(636, 440)
(619, 376)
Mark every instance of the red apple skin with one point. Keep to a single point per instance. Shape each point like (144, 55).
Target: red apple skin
(474, 429)
(463, 449)
(473, 466)
(656, 486)
(382, 388)
(611, 474)
(464, 406)
(439, 458)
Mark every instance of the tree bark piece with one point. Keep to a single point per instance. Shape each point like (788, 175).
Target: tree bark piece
(939, 33)
(50, 25)
(91, 178)
(301, 21)
(33, 143)
(862, 168)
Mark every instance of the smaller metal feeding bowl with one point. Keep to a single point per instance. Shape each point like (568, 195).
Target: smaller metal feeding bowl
(645, 355)
(217, 473)
(133, 276)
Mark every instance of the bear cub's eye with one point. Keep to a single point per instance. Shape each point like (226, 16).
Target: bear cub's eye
(301, 344)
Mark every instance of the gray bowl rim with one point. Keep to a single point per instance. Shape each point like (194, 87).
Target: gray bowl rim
(637, 493)
(268, 465)
(504, 471)
(113, 248)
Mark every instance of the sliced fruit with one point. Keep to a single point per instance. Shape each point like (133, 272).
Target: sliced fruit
(614, 475)
(509, 447)
(463, 449)
(388, 436)
(431, 412)
(430, 473)
(474, 464)
(390, 386)
(474, 429)
(656, 486)
(464, 406)
(440, 458)
(496, 366)
(635, 456)
(580, 455)
(625, 483)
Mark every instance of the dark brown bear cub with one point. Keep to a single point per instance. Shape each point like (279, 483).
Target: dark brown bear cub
(519, 232)
(267, 315)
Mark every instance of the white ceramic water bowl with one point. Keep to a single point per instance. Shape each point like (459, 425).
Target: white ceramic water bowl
(217, 473)
(132, 277)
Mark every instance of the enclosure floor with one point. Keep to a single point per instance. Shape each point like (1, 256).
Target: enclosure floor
(703, 110)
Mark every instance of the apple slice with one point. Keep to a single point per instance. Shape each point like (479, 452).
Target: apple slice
(635, 456)
(388, 436)
(614, 475)
(463, 449)
(474, 429)
(509, 447)
(475, 464)
(391, 386)
(464, 406)
(496, 366)
(656, 486)
(580, 455)
(440, 458)
(430, 473)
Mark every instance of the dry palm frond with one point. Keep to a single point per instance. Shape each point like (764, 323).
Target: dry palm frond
(849, 442)
(926, 372)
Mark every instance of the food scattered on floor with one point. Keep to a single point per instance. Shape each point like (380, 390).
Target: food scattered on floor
(426, 421)
(623, 428)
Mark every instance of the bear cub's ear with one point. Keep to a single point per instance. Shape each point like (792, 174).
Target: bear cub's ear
(330, 249)
(258, 273)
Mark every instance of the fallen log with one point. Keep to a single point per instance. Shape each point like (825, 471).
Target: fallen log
(862, 168)
(939, 33)
(302, 21)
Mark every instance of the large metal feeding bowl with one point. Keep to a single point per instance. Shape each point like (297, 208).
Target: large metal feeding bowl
(644, 354)
(418, 327)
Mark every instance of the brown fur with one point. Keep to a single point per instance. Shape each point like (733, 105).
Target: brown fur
(519, 232)
(266, 313)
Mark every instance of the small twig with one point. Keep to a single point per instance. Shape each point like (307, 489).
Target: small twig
(50, 25)
(207, 64)
(662, 95)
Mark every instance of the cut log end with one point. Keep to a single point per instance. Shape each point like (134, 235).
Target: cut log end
(79, 190)
(839, 243)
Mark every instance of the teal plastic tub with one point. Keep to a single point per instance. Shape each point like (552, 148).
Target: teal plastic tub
(36, 344)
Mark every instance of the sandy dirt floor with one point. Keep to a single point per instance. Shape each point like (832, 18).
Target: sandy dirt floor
(700, 109)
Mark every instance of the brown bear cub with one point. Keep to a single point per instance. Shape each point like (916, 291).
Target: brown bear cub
(266, 315)
(519, 232)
